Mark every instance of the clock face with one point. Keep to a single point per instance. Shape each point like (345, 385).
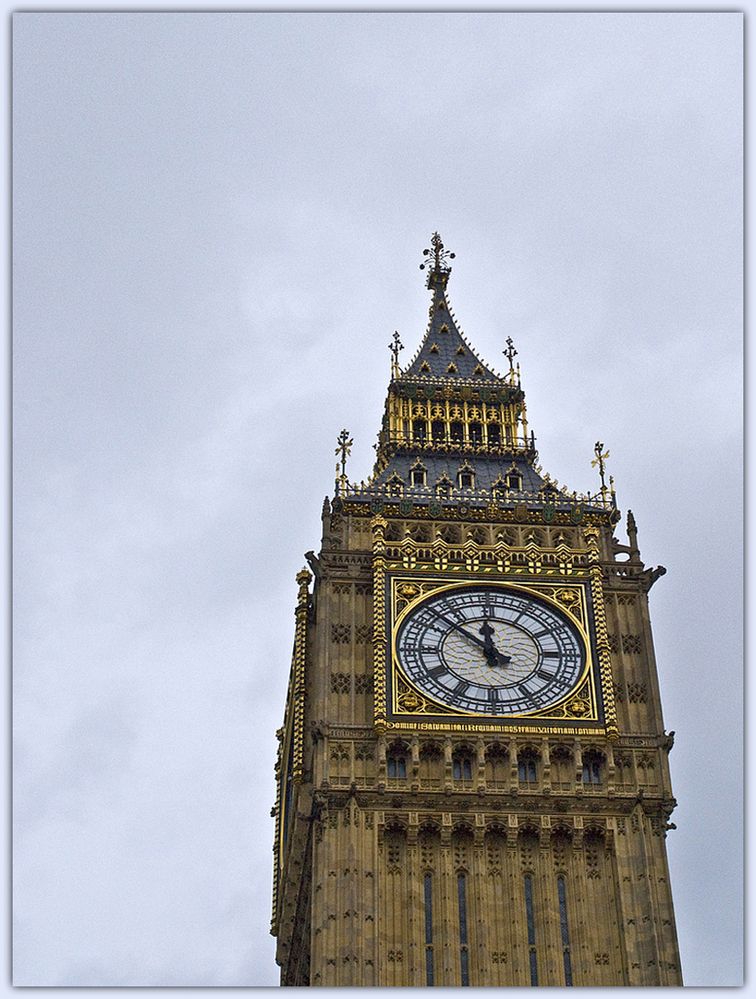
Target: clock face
(491, 650)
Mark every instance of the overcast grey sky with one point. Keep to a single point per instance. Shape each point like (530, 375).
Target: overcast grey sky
(218, 222)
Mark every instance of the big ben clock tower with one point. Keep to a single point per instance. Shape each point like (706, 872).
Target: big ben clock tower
(473, 786)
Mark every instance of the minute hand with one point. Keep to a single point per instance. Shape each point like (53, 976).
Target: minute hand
(488, 647)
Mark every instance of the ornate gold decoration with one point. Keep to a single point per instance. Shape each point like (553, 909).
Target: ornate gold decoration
(439, 253)
(602, 634)
(601, 456)
(410, 701)
(378, 526)
(579, 706)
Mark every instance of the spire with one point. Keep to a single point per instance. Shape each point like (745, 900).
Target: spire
(444, 352)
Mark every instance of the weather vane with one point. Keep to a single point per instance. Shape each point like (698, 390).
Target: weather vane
(601, 456)
(441, 256)
(395, 347)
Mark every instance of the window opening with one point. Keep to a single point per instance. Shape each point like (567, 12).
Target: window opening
(526, 768)
(462, 768)
(396, 766)
(565, 930)
(531, 929)
(428, 898)
(463, 953)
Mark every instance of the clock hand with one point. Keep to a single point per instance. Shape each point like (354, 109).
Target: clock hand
(459, 628)
(495, 658)
(492, 654)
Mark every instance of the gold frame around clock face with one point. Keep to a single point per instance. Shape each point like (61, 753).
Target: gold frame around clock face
(551, 618)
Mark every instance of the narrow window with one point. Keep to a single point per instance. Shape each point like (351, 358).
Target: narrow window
(526, 769)
(462, 768)
(514, 481)
(456, 432)
(466, 480)
(494, 434)
(531, 929)
(396, 766)
(417, 476)
(428, 891)
(591, 770)
(463, 954)
(562, 892)
(438, 431)
(418, 430)
(476, 433)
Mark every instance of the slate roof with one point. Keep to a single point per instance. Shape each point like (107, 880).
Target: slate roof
(487, 469)
(444, 345)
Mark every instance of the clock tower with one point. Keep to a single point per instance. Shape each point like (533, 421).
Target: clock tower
(473, 784)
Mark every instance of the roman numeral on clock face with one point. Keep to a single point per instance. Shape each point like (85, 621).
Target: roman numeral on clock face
(546, 674)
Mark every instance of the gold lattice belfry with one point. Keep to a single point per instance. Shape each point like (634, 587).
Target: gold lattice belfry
(472, 712)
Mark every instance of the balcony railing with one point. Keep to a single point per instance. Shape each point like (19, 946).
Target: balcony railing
(447, 443)
(453, 495)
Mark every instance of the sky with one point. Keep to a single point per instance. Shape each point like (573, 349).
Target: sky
(218, 221)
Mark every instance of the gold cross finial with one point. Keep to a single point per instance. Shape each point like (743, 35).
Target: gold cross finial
(344, 447)
(510, 353)
(395, 347)
(601, 456)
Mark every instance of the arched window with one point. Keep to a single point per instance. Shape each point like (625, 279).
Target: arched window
(438, 431)
(475, 431)
(396, 762)
(466, 477)
(496, 765)
(462, 764)
(419, 430)
(494, 434)
(592, 767)
(527, 768)
(456, 432)
(418, 474)
(562, 768)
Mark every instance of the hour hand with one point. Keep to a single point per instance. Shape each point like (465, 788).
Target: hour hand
(494, 657)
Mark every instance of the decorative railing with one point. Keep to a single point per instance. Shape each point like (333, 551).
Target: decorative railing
(453, 495)
(398, 440)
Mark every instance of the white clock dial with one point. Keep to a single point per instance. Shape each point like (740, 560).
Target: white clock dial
(490, 649)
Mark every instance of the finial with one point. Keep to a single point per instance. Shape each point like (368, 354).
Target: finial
(440, 269)
(344, 447)
(395, 347)
(510, 353)
(601, 456)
